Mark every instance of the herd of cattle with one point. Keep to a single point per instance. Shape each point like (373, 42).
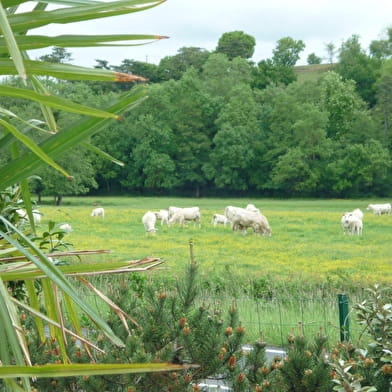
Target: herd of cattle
(352, 222)
(240, 219)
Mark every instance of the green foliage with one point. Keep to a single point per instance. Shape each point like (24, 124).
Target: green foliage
(368, 368)
(58, 55)
(313, 59)
(174, 67)
(51, 182)
(181, 140)
(341, 101)
(287, 52)
(306, 367)
(354, 64)
(382, 49)
(236, 44)
(23, 155)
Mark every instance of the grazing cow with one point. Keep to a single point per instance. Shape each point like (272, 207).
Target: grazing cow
(348, 223)
(358, 213)
(148, 220)
(23, 215)
(163, 216)
(66, 227)
(252, 207)
(352, 224)
(219, 219)
(172, 210)
(230, 212)
(380, 209)
(183, 215)
(242, 220)
(99, 211)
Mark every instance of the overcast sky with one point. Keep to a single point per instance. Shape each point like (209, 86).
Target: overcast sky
(200, 23)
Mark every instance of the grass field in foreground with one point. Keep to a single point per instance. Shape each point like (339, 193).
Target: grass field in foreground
(307, 242)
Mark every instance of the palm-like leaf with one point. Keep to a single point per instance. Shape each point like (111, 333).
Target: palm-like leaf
(58, 291)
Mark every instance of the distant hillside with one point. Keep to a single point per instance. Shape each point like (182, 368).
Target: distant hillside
(311, 72)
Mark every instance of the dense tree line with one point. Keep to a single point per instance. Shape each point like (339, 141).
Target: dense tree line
(218, 123)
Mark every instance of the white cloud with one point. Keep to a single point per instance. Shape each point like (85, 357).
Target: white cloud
(200, 23)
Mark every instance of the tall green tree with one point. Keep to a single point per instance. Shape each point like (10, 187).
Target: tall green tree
(173, 67)
(236, 44)
(313, 59)
(280, 68)
(355, 64)
(53, 183)
(58, 55)
(221, 76)
(150, 164)
(341, 100)
(190, 122)
(383, 108)
(233, 143)
(382, 48)
(287, 51)
(359, 169)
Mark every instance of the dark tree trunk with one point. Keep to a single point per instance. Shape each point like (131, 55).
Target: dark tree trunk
(197, 191)
(58, 199)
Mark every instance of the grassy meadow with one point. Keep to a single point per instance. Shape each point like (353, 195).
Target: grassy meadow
(295, 274)
(307, 242)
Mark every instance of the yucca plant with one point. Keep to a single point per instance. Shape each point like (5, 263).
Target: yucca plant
(21, 257)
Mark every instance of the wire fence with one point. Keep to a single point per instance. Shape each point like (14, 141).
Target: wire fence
(275, 319)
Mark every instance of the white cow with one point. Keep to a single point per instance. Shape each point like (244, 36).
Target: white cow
(183, 215)
(252, 207)
(219, 219)
(380, 209)
(352, 224)
(230, 212)
(358, 213)
(242, 220)
(99, 211)
(23, 215)
(163, 216)
(148, 220)
(172, 210)
(349, 223)
(66, 227)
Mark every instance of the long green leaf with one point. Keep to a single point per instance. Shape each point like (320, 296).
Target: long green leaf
(30, 42)
(56, 145)
(26, 196)
(75, 370)
(69, 3)
(69, 72)
(43, 263)
(11, 44)
(50, 297)
(102, 154)
(24, 188)
(9, 324)
(30, 124)
(29, 143)
(55, 102)
(46, 110)
(33, 300)
(30, 20)
(43, 317)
